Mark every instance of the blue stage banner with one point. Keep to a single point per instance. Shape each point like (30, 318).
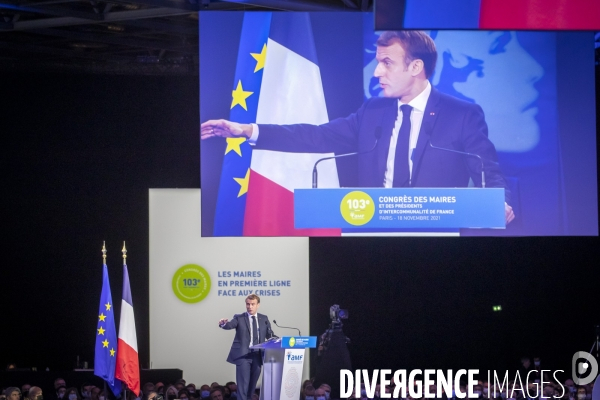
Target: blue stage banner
(298, 342)
(400, 208)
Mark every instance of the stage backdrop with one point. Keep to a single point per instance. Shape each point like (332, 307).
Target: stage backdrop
(188, 296)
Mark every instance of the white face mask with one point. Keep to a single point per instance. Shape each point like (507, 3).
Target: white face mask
(72, 396)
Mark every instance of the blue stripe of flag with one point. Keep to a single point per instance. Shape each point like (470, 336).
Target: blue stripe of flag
(229, 214)
(294, 32)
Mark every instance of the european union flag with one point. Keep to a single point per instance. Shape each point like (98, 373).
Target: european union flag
(235, 173)
(106, 339)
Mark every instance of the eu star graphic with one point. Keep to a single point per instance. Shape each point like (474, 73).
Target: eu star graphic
(240, 96)
(107, 305)
(112, 352)
(105, 343)
(101, 331)
(243, 182)
(260, 58)
(102, 317)
(233, 144)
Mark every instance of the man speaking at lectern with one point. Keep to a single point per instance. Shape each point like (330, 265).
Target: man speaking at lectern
(403, 139)
(251, 328)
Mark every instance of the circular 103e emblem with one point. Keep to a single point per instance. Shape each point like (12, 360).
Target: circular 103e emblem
(191, 283)
(357, 208)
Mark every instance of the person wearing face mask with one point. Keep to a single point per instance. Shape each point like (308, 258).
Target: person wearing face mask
(35, 393)
(58, 383)
(25, 389)
(170, 393)
(582, 393)
(72, 394)
(320, 394)
(191, 388)
(308, 393)
(61, 392)
(102, 395)
(232, 389)
(327, 390)
(183, 394)
(205, 391)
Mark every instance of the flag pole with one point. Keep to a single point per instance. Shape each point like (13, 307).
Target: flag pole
(104, 263)
(124, 251)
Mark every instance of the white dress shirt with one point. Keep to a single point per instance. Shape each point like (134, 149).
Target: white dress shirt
(416, 119)
(250, 325)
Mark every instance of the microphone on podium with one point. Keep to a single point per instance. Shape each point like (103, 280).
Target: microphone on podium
(287, 327)
(315, 173)
(464, 153)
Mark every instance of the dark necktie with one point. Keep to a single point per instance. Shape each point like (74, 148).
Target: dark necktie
(254, 331)
(401, 169)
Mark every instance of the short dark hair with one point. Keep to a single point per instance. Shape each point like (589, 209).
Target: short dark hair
(253, 297)
(417, 44)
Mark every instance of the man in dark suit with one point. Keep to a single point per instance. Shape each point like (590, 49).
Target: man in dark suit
(413, 119)
(251, 328)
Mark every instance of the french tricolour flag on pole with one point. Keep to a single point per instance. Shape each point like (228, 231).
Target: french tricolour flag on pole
(277, 82)
(128, 367)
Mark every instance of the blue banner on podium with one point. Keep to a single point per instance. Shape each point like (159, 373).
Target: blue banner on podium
(298, 342)
(398, 208)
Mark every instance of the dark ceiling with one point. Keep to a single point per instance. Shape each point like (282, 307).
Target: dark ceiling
(140, 37)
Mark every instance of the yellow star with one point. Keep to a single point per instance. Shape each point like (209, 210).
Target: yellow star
(105, 343)
(102, 317)
(243, 183)
(240, 96)
(260, 58)
(107, 305)
(112, 352)
(234, 144)
(101, 331)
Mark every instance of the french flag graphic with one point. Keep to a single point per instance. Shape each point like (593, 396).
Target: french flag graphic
(277, 81)
(291, 92)
(128, 367)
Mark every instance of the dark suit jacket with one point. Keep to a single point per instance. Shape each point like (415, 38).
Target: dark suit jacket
(241, 341)
(448, 122)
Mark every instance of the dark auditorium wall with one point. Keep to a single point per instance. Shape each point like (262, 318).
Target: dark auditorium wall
(79, 155)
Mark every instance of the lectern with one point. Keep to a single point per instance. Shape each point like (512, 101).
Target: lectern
(283, 362)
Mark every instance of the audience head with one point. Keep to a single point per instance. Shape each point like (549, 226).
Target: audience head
(205, 391)
(35, 393)
(320, 394)
(59, 382)
(61, 392)
(183, 394)
(12, 393)
(216, 394)
(72, 394)
(170, 393)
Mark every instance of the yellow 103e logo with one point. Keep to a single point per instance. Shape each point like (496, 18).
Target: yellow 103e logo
(357, 208)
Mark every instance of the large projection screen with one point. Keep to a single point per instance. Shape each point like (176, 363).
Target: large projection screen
(536, 90)
(185, 335)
